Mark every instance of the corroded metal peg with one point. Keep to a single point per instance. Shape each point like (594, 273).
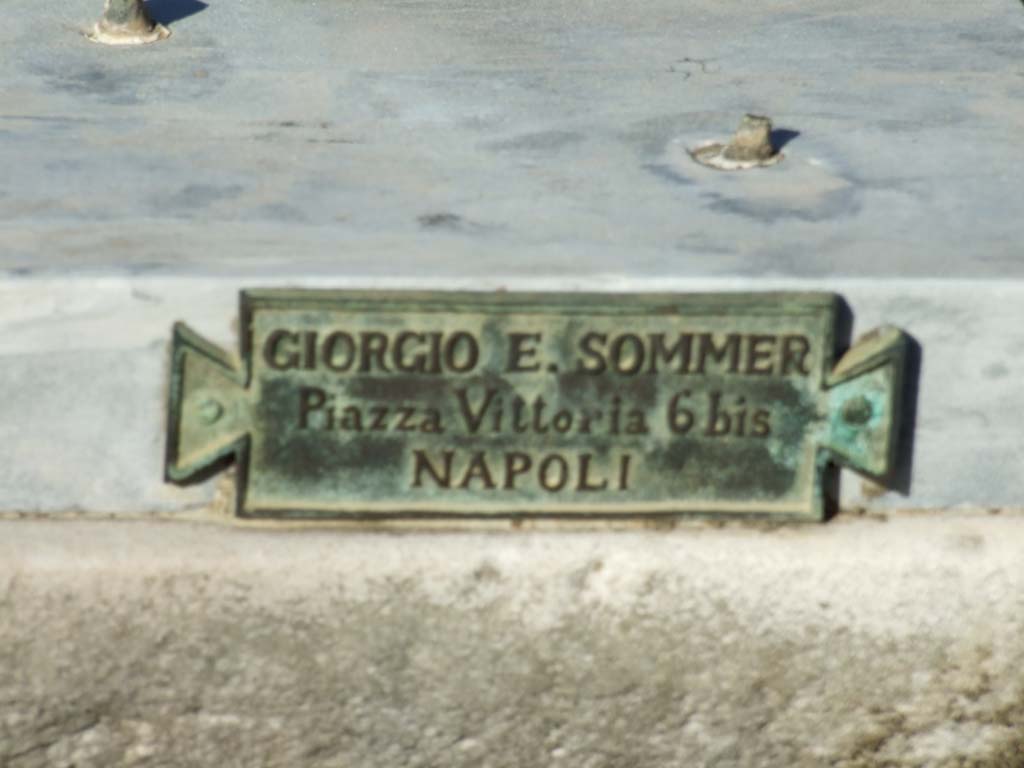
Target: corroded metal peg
(751, 147)
(127, 22)
(752, 140)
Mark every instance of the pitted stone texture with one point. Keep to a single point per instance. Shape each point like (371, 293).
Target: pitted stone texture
(859, 643)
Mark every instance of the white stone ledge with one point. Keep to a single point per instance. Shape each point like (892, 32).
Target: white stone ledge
(859, 643)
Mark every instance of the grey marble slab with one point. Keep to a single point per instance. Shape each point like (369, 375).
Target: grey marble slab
(479, 137)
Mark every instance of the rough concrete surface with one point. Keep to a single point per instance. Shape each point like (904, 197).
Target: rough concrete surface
(862, 643)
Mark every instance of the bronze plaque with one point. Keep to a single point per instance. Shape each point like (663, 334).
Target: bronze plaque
(373, 405)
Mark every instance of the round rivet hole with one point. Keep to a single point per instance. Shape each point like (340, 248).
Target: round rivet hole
(857, 411)
(210, 411)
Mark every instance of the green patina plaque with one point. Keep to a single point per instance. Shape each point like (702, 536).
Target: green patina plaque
(371, 405)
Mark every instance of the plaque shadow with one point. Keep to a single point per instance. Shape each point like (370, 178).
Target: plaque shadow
(901, 477)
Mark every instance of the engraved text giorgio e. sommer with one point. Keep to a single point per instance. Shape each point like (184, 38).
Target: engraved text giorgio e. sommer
(479, 409)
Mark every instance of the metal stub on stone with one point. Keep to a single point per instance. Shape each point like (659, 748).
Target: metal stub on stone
(407, 406)
(127, 22)
(751, 147)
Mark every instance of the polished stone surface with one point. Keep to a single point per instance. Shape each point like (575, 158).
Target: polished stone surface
(497, 139)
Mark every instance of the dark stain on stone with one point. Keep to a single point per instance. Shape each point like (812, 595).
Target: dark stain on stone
(689, 66)
(543, 141)
(121, 80)
(668, 173)
(831, 205)
(486, 572)
(1003, 42)
(911, 186)
(145, 297)
(294, 130)
(968, 542)
(112, 87)
(281, 212)
(193, 197)
(995, 371)
(449, 221)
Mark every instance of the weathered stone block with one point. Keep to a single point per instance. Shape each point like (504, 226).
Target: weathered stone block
(862, 643)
